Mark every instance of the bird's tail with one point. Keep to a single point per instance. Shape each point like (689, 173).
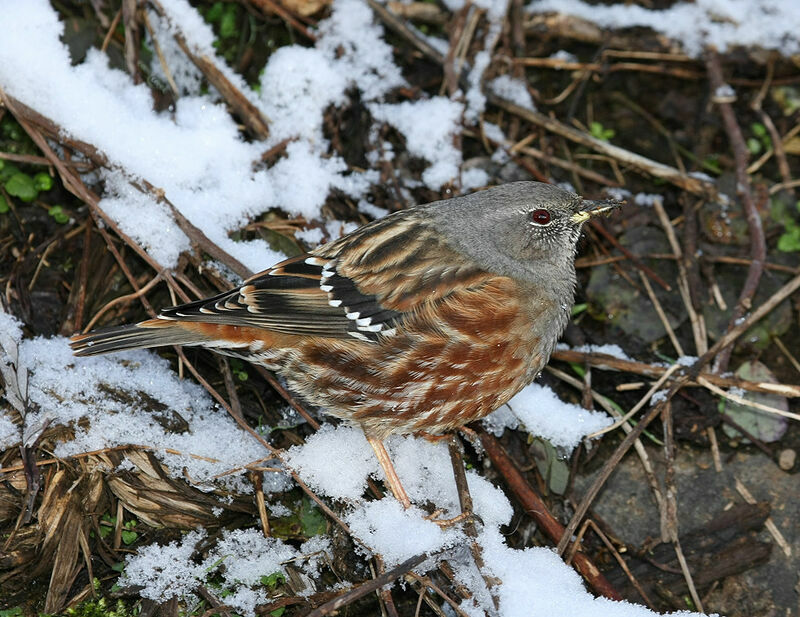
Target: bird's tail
(150, 333)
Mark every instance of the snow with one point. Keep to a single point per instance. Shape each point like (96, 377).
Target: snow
(770, 24)
(563, 424)
(512, 89)
(355, 461)
(241, 557)
(429, 127)
(397, 534)
(114, 398)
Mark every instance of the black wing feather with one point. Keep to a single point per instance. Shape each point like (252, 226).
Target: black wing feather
(303, 295)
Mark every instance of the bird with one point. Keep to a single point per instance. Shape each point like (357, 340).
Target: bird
(419, 322)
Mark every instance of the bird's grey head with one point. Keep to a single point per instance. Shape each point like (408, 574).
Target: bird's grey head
(517, 229)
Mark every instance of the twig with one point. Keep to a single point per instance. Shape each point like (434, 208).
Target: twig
(743, 401)
(669, 511)
(769, 523)
(659, 170)
(120, 300)
(612, 363)
(366, 588)
(537, 509)
(696, 319)
(129, 14)
(397, 25)
(653, 389)
(758, 247)
(662, 315)
(268, 6)
(465, 501)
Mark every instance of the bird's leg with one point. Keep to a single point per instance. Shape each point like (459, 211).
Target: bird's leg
(391, 475)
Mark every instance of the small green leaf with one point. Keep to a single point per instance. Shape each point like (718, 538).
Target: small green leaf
(578, 369)
(58, 214)
(129, 537)
(12, 612)
(278, 611)
(8, 170)
(579, 308)
(3, 205)
(215, 12)
(273, 579)
(21, 185)
(753, 145)
(42, 181)
(119, 566)
(312, 522)
(759, 130)
(789, 242)
(227, 26)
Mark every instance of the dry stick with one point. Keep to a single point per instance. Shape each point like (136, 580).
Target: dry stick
(268, 6)
(287, 396)
(161, 60)
(111, 29)
(83, 277)
(769, 523)
(777, 140)
(743, 401)
(119, 300)
(457, 35)
(727, 339)
(257, 478)
(787, 353)
(612, 363)
(662, 315)
(568, 165)
(366, 588)
(758, 247)
(669, 513)
(129, 11)
(399, 26)
(252, 117)
(465, 501)
(537, 509)
(688, 183)
(697, 321)
(428, 583)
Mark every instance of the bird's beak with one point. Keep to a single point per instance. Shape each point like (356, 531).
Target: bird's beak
(590, 209)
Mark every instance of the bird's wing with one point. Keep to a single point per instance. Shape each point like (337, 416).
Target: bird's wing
(361, 286)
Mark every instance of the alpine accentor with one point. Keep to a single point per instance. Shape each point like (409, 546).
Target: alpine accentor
(425, 320)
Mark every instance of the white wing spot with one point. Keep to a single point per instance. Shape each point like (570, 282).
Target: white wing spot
(359, 336)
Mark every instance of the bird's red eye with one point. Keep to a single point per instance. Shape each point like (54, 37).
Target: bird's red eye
(540, 216)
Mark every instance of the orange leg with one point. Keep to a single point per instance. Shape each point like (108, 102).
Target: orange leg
(391, 475)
